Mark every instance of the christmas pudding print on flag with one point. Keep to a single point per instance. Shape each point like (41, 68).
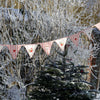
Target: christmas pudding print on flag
(31, 49)
(14, 49)
(61, 43)
(46, 47)
(1, 47)
(75, 38)
(97, 26)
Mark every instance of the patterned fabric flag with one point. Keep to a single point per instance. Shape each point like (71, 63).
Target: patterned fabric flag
(14, 49)
(97, 26)
(61, 42)
(75, 38)
(46, 46)
(1, 47)
(31, 49)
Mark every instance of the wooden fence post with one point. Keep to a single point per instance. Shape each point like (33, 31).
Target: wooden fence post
(98, 78)
(96, 52)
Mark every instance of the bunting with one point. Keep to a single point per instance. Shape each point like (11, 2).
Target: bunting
(46, 47)
(97, 26)
(75, 38)
(14, 49)
(61, 43)
(1, 47)
(31, 49)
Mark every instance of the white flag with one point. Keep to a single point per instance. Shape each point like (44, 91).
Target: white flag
(31, 49)
(61, 42)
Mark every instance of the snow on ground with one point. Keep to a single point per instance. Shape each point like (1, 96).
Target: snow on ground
(97, 97)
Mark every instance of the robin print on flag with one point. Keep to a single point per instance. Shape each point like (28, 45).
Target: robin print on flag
(14, 49)
(46, 47)
(61, 43)
(75, 38)
(31, 49)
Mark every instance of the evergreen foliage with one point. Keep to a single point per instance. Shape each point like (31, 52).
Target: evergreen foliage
(61, 80)
(2, 87)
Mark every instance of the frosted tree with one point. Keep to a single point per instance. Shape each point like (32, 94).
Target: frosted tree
(26, 22)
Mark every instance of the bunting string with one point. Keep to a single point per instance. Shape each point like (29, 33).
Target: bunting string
(46, 46)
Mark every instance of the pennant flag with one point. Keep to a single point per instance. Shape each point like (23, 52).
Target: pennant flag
(61, 42)
(75, 38)
(46, 46)
(1, 47)
(14, 49)
(97, 26)
(31, 49)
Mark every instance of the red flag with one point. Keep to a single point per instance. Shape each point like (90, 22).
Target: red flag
(14, 49)
(31, 49)
(75, 38)
(61, 42)
(97, 26)
(46, 46)
(1, 47)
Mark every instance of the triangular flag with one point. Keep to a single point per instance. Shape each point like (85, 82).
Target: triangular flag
(46, 46)
(97, 26)
(14, 49)
(1, 46)
(31, 49)
(61, 42)
(75, 38)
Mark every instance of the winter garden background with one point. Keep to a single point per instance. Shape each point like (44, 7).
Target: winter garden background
(33, 21)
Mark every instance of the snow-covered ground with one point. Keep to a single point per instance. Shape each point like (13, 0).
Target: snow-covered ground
(97, 97)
